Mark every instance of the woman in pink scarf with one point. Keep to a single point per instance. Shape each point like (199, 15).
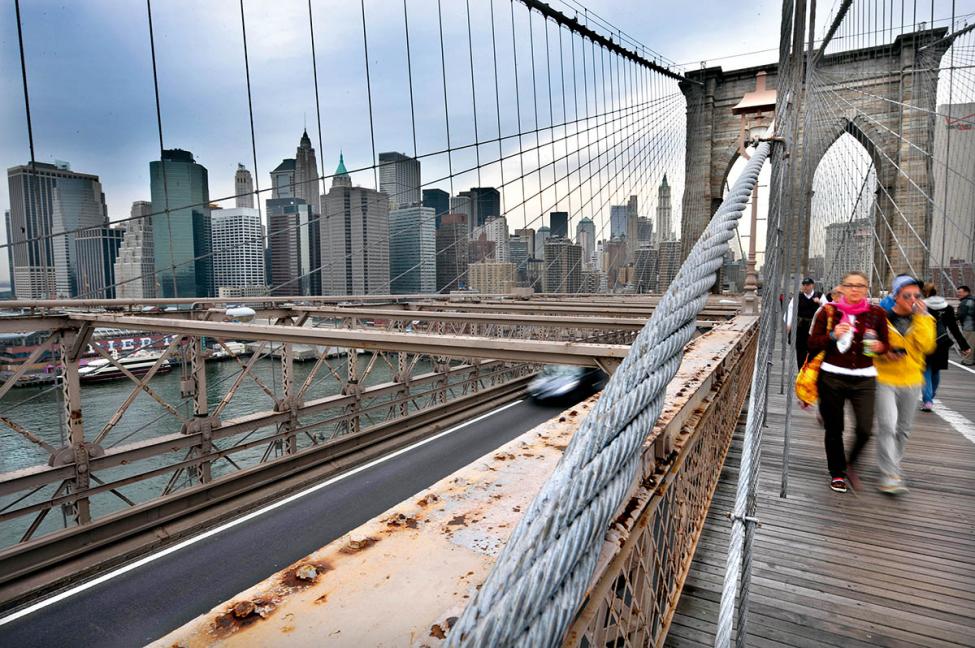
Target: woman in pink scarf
(851, 331)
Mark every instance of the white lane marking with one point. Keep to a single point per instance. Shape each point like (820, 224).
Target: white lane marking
(961, 424)
(961, 366)
(250, 516)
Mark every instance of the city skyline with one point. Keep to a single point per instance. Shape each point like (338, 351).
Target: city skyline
(117, 144)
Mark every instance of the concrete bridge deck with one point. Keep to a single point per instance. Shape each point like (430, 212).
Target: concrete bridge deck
(857, 569)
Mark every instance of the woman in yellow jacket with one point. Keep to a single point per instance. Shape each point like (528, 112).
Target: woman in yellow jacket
(900, 377)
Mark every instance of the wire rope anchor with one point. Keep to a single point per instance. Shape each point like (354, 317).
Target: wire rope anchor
(744, 519)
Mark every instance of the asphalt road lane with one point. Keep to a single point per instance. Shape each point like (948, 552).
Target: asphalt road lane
(144, 604)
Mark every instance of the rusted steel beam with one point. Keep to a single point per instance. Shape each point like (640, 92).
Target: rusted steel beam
(549, 352)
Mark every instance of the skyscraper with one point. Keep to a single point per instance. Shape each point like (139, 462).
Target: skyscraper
(519, 255)
(664, 227)
(181, 225)
(617, 221)
(559, 223)
(50, 199)
(452, 252)
(496, 230)
(238, 248)
(646, 269)
(540, 237)
(563, 266)
(528, 234)
(438, 200)
(97, 249)
(644, 231)
(586, 239)
(283, 179)
(412, 251)
(134, 266)
(293, 249)
(632, 228)
(10, 253)
(306, 175)
(244, 187)
(492, 277)
(479, 203)
(355, 238)
(399, 178)
(668, 263)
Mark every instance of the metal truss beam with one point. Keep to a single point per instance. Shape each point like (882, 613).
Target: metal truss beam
(532, 351)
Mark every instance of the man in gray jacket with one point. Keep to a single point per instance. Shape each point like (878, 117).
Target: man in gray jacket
(966, 319)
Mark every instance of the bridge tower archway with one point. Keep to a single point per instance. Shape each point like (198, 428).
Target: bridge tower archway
(874, 94)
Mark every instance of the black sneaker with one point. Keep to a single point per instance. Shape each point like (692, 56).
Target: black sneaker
(838, 484)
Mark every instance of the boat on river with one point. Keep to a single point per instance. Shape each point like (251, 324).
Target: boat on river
(138, 363)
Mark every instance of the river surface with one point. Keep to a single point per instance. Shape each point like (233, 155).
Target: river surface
(38, 410)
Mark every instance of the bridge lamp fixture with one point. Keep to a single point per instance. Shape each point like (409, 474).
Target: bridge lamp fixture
(755, 112)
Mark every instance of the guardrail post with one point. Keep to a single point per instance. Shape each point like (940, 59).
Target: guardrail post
(200, 407)
(71, 389)
(287, 380)
(353, 423)
(403, 377)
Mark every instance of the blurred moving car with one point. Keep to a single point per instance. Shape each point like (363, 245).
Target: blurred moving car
(564, 382)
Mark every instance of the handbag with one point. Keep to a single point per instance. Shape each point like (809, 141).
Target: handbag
(806, 379)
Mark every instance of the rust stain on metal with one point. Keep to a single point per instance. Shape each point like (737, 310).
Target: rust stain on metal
(304, 574)
(242, 615)
(357, 543)
(458, 519)
(437, 632)
(429, 498)
(402, 521)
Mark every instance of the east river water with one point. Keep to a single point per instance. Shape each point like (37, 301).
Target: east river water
(38, 410)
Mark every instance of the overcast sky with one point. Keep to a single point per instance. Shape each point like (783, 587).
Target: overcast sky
(90, 81)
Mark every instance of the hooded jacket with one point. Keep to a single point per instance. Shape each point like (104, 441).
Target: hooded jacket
(919, 341)
(944, 314)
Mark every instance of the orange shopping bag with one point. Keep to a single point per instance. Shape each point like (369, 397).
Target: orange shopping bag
(806, 389)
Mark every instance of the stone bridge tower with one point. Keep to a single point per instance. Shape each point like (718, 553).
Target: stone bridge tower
(884, 96)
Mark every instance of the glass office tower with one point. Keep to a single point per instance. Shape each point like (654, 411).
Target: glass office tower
(181, 225)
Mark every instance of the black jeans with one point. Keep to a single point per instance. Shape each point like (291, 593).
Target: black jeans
(834, 391)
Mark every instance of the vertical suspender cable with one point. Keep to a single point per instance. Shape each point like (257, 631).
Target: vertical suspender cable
(409, 72)
(318, 108)
(372, 132)
(477, 145)
(162, 162)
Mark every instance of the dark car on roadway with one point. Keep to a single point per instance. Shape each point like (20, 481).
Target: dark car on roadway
(565, 383)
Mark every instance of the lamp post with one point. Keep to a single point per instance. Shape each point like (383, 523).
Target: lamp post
(751, 111)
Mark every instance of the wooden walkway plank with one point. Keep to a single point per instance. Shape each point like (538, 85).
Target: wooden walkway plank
(857, 569)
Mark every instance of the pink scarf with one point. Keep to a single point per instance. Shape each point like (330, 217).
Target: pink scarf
(849, 309)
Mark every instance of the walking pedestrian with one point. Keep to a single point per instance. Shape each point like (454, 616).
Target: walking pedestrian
(945, 323)
(851, 332)
(966, 318)
(900, 377)
(809, 302)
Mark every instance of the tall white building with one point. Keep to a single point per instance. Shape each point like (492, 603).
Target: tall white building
(586, 239)
(135, 266)
(664, 226)
(243, 187)
(238, 248)
(412, 250)
(355, 238)
(399, 178)
(496, 231)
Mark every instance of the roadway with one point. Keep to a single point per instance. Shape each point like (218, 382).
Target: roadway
(158, 595)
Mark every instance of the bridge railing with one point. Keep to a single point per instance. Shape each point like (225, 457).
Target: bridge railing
(436, 548)
(206, 445)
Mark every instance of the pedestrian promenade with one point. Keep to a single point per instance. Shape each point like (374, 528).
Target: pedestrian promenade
(857, 569)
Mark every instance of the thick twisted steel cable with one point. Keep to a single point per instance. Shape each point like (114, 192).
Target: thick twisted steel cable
(539, 580)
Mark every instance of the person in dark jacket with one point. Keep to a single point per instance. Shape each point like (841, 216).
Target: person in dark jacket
(809, 302)
(852, 332)
(944, 317)
(966, 318)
